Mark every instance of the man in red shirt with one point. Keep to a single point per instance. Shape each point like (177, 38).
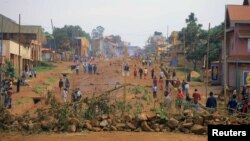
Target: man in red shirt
(196, 99)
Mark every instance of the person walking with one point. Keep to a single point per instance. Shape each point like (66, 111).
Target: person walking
(65, 95)
(77, 69)
(179, 99)
(67, 84)
(211, 103)
(161, 83)
(94, 68)
(145, 73)
(196, 98)
(135, 73)
(232, 105)
(9, 98)
(18, 85)
(60, 84)
(152, 73)
(155, 81)
(140, 72)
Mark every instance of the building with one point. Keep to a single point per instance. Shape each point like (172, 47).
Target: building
(81, 46)
(237, 45)
(31, 39)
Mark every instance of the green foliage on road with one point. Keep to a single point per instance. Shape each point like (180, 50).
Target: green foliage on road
(44, 66)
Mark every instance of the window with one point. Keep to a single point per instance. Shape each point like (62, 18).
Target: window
(248, 45)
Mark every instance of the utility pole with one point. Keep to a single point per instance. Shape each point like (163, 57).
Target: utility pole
(207, 60)
(19, 52)
(125, 81)
(53, 28)
(225, 60)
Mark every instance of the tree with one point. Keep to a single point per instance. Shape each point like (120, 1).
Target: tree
(97, 32)
(64, 37)
(195, 40)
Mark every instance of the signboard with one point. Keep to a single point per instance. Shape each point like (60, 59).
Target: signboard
(246, 77)
(215, 72)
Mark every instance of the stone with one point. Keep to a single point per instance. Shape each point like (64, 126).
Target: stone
(234, 120)
(96, 129)
(30, 126)
(150, 115)
(188, 113)
(130, 126)
(73, 121)
(138, 129)
(45, 125)
(113, 128)
(104, 117)
(105, 129)
(15, 122)
(120, 125)
(129, 117)
(72, 128)
(157, 130)
(88, 126)
(184, 130)
(161, 126)
(104, 123)
(198, 120)
(145, 126)
(155, 126)
(187, 125)
(172, 123)
(95, 123)
(198, 129)
(142, 117)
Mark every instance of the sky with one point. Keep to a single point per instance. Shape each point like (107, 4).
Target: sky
(133, 20)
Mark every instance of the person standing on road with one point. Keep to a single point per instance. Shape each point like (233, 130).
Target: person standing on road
(135, 72)
(18, 85)
(60, 84)
(94, 68)
(67, 84)
(197, 98)
(232, 105)
(140, 72)
(152, 73)
(211, 102)
(65, 94)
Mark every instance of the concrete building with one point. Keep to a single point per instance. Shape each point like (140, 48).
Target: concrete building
(237, 45)
(31, 39)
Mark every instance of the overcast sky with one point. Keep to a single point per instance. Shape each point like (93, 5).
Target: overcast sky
(134, 20)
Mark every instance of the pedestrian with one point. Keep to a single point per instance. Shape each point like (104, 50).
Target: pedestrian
(94, 68)
(145, 71)
(155, 81)
(179, 99)
(186, 88)
(18, 85)
(188, 102)
(211, 103)
(152, 73)
(34, 72)
(161, 83)
(177, 83)
(161, 74)
(232, 105)
(183, 86)
(67, 84)
(77, 69)
(9, 97)
(174, 73)
(65, 94)
(196, 98)
(168, 100)
(135, 73)
(90, 68)
(140, 72)
(154, 91)
(243, 92)
(60, 84)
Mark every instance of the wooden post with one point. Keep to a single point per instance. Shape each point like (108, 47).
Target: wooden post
(225, 60)
(207, 60)
(124, 90)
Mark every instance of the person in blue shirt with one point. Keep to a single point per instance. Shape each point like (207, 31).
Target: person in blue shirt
(232, 105)
(211, 103)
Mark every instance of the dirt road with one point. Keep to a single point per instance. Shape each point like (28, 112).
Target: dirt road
(106, 136)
